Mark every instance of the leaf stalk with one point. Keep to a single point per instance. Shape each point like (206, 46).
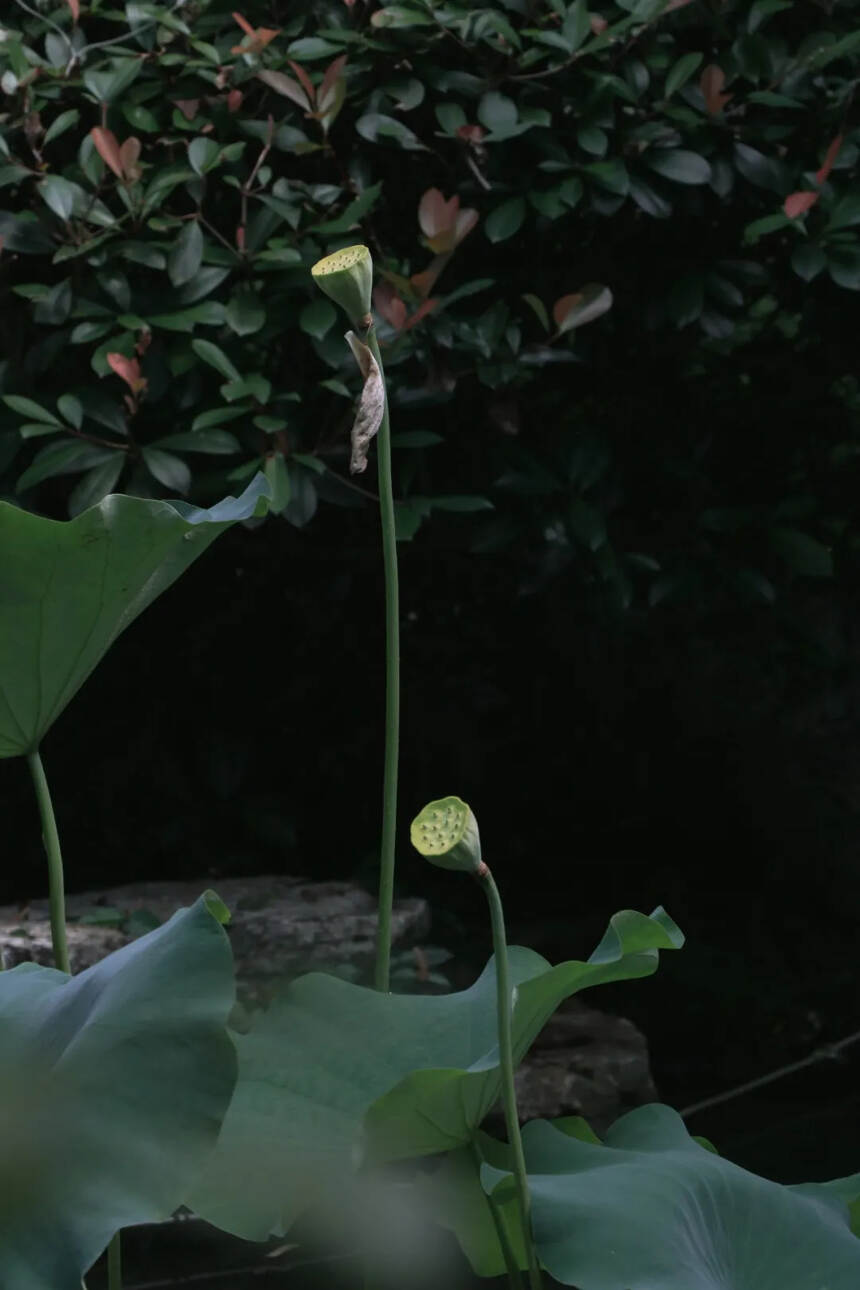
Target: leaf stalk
(392, 686)
(504, 1005)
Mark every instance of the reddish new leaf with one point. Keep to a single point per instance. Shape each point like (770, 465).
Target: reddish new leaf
(329, 81)
(830, 157)
(128, 154)
(711, 84)
(260, 37)
(389, 305)
(107, 147)
(581, 307)
(128, 370)
(436, 215)
(306, 82)
(283, 84)
(799, 203)
(74, 9)
(188, 107)
(466, 221)
(597, 24)
(234, 100)
(422, 283)
(421, 312)
(470, 133)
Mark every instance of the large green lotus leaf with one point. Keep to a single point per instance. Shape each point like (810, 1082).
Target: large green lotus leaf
(651, 1209)
(68, 588)
(113, 1086)
(334, 1073)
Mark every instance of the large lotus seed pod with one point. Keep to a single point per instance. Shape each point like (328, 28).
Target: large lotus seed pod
(446, 834)
(347, 278)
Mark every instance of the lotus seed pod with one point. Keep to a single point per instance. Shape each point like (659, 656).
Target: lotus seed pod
(346, 277)
(446, 834)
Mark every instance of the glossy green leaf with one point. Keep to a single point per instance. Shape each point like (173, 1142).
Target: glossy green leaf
(62, 196)
(497, 112)
(203, 154)
(318, 317)
(803, 554)
(505, 220)
(332, 1065)
(215, 357)
(245, 312)
(186, 254)
(678, 164)
(63, 457)
(681, 71)
(808, 260)
(279, 481)
(168, 469)
(67, 590)
(96, 484)
(376, 126)
(214, 440)
(61, 124)
(651, 1209)
(30, 408)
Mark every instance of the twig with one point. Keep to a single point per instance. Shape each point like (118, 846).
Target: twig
(827, 1052)
(246, 188)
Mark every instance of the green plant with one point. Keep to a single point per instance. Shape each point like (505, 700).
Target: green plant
(170, 175)
(125, 1092)
(347, 277)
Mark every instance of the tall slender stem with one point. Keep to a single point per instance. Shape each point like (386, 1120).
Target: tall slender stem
(392, 688)
(506, 1062)
(57, 902)
(51, 839)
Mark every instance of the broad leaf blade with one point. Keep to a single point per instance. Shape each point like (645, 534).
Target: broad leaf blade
(67, 590)
(676, 1216)
(334, 1074)
(113, 1085)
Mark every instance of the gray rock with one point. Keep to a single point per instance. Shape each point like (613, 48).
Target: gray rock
(279, 926)
(584, 1063)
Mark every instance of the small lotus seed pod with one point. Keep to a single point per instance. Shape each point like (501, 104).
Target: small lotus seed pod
(446, 834)
(346, 277)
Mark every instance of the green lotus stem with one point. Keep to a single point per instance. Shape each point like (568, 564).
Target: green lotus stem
(57, 902)
(511, 1266)
(346, 277)
(114, 1263)
(51, 839)
(392, 687)
(506, 1063)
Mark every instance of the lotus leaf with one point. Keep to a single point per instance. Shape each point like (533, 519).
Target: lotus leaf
(113, 1085)
(334, 1074)
(651, 1209)
(68, 588)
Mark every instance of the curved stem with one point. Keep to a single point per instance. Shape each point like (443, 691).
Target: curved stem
(51, 839)
(506, 1062)
(392, 688)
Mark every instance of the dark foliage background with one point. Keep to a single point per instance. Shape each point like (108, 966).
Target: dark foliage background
(629, 585)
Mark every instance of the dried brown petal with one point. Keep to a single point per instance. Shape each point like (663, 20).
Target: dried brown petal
(371, 404)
